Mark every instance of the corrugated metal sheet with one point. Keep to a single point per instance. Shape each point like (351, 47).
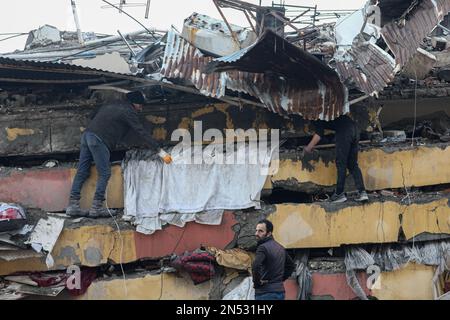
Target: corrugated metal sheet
(184, 61)
(369, 67)
(284, 84)
(404, 36)
(366, 65)
(25, 71)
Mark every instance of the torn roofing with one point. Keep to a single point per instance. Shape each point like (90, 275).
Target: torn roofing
(404, 36)
(286, 79)
(24, 71)
(369, 66)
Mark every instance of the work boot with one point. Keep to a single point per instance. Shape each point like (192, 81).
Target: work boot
(338, 198)
(74, 209)
(362, 196)
(98, 211)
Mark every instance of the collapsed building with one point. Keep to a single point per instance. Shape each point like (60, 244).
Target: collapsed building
(387, 64)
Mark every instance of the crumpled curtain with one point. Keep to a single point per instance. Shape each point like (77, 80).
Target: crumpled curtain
(303, 275)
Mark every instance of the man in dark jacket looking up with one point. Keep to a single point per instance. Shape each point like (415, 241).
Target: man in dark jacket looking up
(272, 265)
(111, 123)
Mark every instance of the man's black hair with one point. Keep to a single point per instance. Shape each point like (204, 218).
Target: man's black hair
(136, 97)
(269, 225)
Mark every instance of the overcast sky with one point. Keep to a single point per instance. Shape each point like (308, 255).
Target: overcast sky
(25, 15)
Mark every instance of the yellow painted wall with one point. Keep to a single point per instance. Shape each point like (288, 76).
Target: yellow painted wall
(433, 217)
(174, 287)
(94, 245)
(420, 166)
(311, 226)
(114, 191)
(19, 265)
(87, 245)
(412, 282)
(296, 226)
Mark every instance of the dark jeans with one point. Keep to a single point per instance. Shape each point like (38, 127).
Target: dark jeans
(270, 296)
(347, 158)
(92, 149)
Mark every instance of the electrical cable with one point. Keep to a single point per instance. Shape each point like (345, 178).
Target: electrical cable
(121, 246)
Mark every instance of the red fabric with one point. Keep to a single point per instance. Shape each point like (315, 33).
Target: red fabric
(447, 287)
(88, 275)
(200, 266)
(10, 214)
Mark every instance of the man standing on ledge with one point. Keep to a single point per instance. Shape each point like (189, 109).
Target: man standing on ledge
(111, 123)
(347, 141)
(272, 265)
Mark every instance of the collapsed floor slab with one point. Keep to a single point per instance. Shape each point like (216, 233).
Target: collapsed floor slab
(410, 282)
(379, 221)
(382, 168)
(96, 242)
(316, 225)
(166, 286)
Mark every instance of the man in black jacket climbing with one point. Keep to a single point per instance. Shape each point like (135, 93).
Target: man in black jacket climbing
(109, 125)
(347, 140)
(272, 265)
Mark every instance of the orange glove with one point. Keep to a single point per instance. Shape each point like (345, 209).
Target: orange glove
(167, 158)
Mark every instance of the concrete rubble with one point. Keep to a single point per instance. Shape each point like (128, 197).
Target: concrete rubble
(378, 63)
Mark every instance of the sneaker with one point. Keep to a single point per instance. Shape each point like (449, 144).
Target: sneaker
(338, 198)
(74, 209)
(362, 196)
(98, 211)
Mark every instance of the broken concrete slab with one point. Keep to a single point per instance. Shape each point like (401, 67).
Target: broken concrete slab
(214, 36)
(443, 58)
(164, 286)
(43, 36)
(420, 65)
(56, 126)
(332, 225)
(439, 43)
(382, 168)
(94, 242)
(412, 282)
(316, 225)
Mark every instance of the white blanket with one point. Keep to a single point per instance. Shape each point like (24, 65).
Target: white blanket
(199, 192)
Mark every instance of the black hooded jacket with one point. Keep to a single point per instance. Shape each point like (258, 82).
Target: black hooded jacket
(113, 121)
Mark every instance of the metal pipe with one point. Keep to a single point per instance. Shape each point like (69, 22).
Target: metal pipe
(77, 23)
(133, 18)
(233, 35)
(126, 42)
(249, 21)
(359, 99)
(115, 38)
(147, 9)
